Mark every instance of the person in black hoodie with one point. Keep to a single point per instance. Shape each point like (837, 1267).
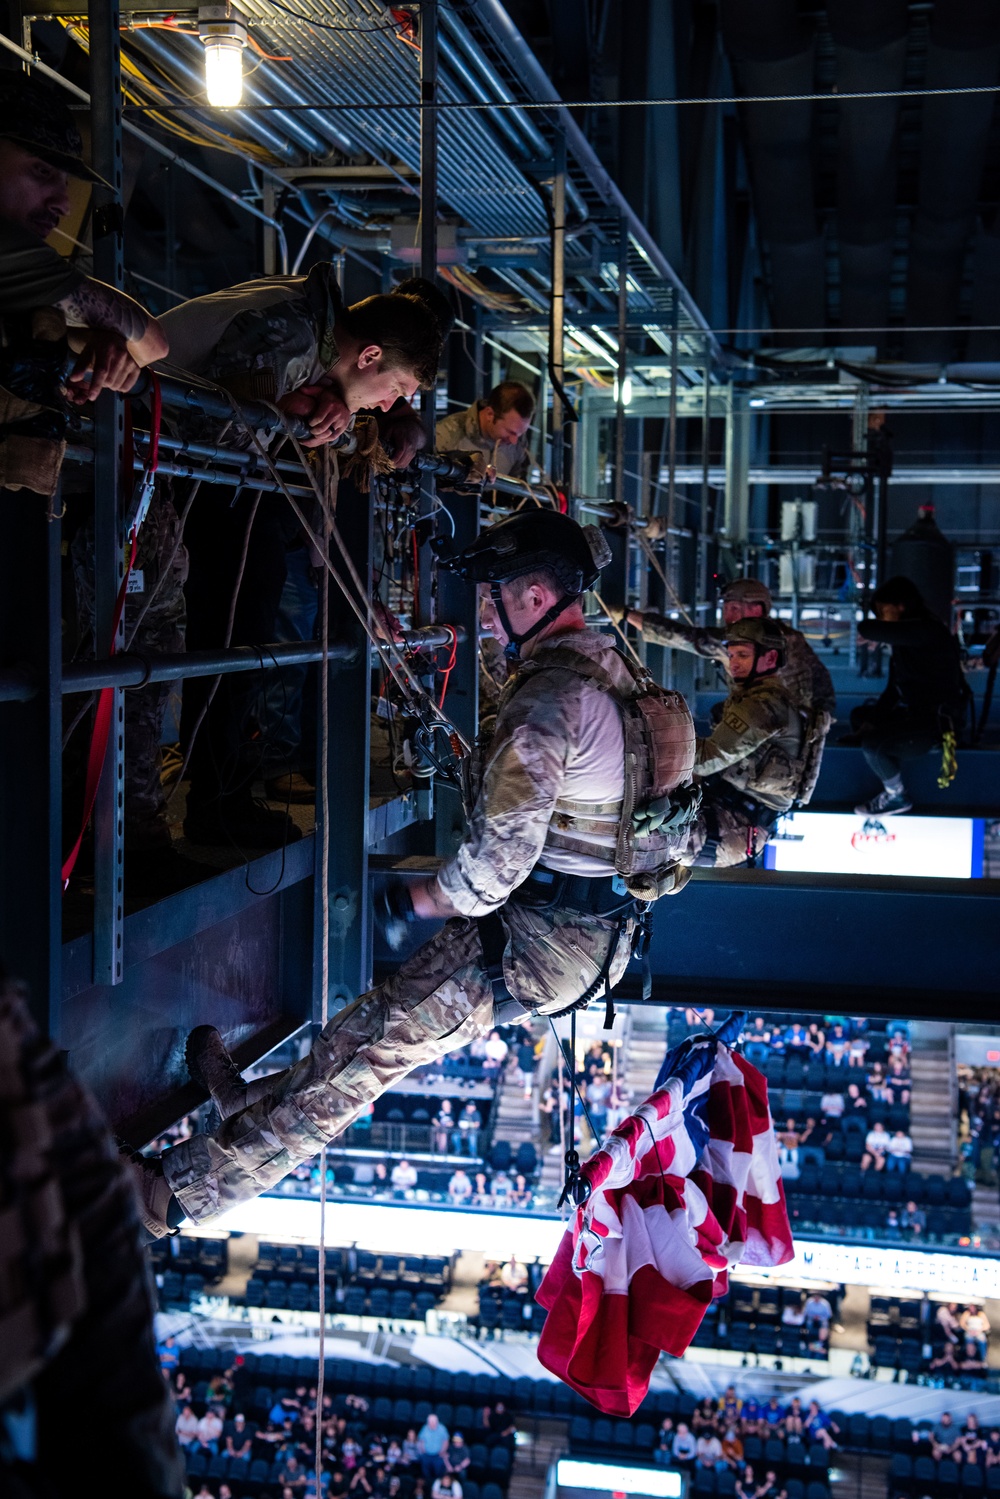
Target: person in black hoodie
(925, 691)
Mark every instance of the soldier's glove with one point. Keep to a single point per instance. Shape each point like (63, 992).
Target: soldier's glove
(615, 612)
(394, 912)
(668, 814)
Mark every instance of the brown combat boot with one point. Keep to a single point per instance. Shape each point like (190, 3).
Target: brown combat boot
(213, 1069)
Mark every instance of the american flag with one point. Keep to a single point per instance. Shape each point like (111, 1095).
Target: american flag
(686, 1188)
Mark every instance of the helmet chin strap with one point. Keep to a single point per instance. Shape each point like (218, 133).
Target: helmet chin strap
(512, 650)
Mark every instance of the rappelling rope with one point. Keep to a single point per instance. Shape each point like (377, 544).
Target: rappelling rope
(647, 548)
(618, 629)
(331, 479)
(413, 691)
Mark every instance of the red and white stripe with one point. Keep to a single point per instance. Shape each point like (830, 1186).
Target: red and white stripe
(663, 1226)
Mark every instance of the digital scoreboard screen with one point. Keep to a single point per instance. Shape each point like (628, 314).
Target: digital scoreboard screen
(618, 1478)
(845, 843)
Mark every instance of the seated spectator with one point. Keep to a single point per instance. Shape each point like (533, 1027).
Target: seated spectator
(814, 1134)
(836, 1045)
(186, 1426)
(502, 1423)
(703, 1416)
(898, 1081)
(876, 1147)
(832, 1104)
(816, 1039)
(456, 1457)
(446, 1487)
(514, 1275)
(210, 1430)
(900, 1149)
(351, 1453)
(204, 1492)
(794, 1422)
(946, 1318)
(732, 1448)
(752, 1417)
(819, 1427)
(796, 1036)
(856, 1051)
(818, 1309)
(168, 1355)
(877, 1085)
(729, 1406)
(818, 1339)
(403, 1177)
(522, 1196)
(501, 1188)
(976, 1327)
(482, 1197)
(292, 1475)
(459, 1188)
(855, 1102)
(432, 1440)
(684, 1444)
(973, 1357)
(239, 1434)
(770, 1488)
(793, 1313)
(746, 1484)
(442, 1128)
(410, 1449)
(992, 1449)
(892, 1229)
(774, 1415)
(469, 1125)
(393, 1454)
(708, 1451)
(943, 1436)
(788, 1155)
(946, 1362)
(970, 1440)
(663, 1451)
(913, 1221)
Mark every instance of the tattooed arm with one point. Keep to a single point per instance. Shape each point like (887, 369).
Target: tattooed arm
(117, 338)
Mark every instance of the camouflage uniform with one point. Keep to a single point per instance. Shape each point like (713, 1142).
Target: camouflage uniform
(161, 632)
(752, 763)
(442, 996)
(803, 675)
(461, 433)
(76, 1299)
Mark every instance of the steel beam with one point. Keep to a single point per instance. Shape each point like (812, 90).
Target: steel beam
(558, 316)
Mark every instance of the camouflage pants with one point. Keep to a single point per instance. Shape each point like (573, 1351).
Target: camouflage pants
(160, 631)
(721, 837)
(437, 1001)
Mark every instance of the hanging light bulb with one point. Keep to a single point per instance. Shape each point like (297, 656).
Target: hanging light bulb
(626, 390)
(224, 35)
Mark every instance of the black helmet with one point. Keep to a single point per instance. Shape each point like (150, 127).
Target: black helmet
(525, 543)
(763, 634)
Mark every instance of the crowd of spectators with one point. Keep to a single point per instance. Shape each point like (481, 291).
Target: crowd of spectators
(961, 1339)
(979, 1119)
(358, 1458)
(499, 1189)
(969, 1443)
(718, 1436)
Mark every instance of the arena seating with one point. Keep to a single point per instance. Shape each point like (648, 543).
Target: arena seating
(184, 1266)
(748, 1320)
(358, 1282)
(842, 1197)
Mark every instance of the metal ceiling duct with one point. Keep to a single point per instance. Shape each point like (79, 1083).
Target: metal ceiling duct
(773, 51)
(964, 51)
(870, 42)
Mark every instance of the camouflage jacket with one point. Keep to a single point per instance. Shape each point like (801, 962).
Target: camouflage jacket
(460, 433)
(260, 339)
(803, 675)
(544, 730)
(757, 745)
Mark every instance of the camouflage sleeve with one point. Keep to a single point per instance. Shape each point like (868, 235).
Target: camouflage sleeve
(743, 727)
(824, 695)
(265, 351)
(659, 630)
(536, 729)
(448, 432)
(522, 466)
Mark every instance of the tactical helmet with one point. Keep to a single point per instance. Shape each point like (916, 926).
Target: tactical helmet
(525, 543)
(747, 591)
(763, 634)
(35, 116)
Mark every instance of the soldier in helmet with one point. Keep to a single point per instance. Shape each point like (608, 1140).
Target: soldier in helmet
(750, 768)
(537, 919)
(803, 674)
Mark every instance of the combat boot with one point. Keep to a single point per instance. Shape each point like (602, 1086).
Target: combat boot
(213, 1069)
(153, 1194)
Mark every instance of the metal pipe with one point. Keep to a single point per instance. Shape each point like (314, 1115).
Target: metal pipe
(238, 478)
(130, 669)
(496, 20)
(434, 637)
(557, 355)
(619, 478)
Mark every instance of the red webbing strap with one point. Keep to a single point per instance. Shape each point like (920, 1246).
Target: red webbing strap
(101, 732)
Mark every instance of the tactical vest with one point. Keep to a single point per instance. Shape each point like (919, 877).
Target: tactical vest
(659, 759)
(817, 726)
(33, 409)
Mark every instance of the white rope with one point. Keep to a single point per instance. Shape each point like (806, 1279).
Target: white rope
(618, 629)
(331, 476)
(647, 548)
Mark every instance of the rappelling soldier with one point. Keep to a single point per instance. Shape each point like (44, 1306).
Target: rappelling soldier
(562, 858)
(803, 674)
(758, 762)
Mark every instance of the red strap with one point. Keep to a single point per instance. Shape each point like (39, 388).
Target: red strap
(101, 733)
